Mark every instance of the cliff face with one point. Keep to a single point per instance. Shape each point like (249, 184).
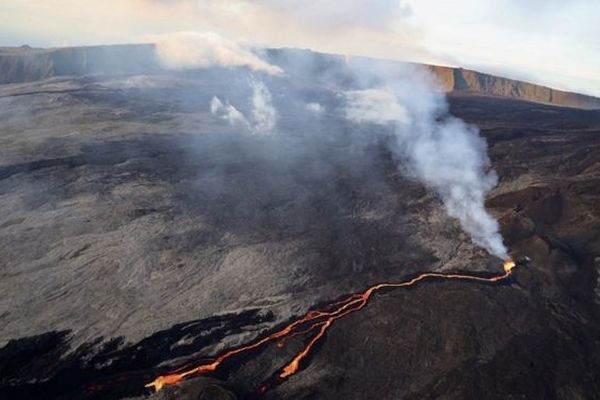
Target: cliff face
(464, 81)
(19, 65)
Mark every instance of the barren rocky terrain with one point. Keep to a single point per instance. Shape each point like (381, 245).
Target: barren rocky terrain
(26, 64)
(138, 233)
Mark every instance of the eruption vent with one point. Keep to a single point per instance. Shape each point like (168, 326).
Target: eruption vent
(508, 265)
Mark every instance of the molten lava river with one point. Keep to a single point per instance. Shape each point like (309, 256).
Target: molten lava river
(314, 325)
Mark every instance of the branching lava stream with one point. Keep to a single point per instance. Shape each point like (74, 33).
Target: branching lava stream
(318, 321)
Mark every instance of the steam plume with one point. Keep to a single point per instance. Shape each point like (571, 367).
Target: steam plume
(228, 112)
(263, 114)
(315, 108)
(443, 152)
(188, 50)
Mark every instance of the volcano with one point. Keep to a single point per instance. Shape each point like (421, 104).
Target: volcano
(143, 236)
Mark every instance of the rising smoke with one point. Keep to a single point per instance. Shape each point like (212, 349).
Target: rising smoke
(189, 50)
(263, 113)
(262, 116)
(441, 151)
(315, 108)
(228, 113)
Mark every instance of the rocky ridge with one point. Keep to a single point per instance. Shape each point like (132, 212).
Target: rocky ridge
(25, 64)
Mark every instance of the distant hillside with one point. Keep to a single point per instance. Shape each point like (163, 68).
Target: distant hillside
(464, 81)
(25, 64)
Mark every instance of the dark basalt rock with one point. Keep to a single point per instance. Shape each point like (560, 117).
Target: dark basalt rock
(129, 209)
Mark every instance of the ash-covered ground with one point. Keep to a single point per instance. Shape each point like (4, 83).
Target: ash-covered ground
(138, 230)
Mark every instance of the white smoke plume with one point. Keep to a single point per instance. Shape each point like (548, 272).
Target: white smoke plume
(316, 108)
(263, 114)
(444, 153)
(228, 112)
(441, 151)
(188, 50)
(375, 105)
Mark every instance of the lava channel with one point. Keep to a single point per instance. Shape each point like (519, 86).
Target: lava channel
(318, 321)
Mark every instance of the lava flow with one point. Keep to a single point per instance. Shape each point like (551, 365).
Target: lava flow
(319, 321)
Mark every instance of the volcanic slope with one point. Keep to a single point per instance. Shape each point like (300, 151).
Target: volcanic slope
(138, 232)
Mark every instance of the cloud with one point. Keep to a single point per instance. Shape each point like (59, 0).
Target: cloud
(551, 42)
(188, 50)
(377, 15)
(556, 47)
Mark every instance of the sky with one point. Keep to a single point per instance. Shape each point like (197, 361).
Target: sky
(551, 42)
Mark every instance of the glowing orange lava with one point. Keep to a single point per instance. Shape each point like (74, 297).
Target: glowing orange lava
(508, 265)
(319, 321)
